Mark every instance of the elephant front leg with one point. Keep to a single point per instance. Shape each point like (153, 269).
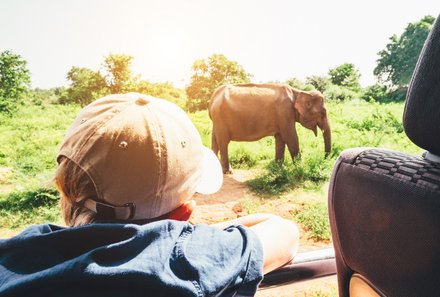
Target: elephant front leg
(280, 147)
(224, 157)
(291, 139)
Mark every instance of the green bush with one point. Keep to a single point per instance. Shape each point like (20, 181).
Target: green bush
(280, 177)
(383, 121)
(321, 83)
(275, 180)
(376, 93)
(298, 84)
(241, 158)
(339, 93)
(314, 218)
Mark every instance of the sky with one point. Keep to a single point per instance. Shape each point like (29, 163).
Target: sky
(274, 40)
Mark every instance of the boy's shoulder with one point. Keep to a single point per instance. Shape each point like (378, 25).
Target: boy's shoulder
(166, 254)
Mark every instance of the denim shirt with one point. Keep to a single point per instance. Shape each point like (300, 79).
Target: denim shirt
(164, 258)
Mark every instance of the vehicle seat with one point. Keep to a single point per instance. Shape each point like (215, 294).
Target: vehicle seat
(384, 206)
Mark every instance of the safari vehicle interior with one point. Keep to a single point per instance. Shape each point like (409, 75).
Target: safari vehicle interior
(384, 206)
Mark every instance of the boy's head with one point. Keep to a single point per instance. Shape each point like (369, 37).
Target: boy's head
(132, 157)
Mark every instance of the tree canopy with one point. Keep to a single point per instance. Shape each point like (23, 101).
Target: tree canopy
(397, 61)
(14, 80)
(85, 86)
(119, 77)
(210, 73)
(345, 75)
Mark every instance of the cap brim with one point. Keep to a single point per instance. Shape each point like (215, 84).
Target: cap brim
(212, 174)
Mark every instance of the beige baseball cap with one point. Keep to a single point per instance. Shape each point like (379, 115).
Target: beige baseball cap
(143, 154)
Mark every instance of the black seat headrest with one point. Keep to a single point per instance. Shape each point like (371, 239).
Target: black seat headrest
(421, 118)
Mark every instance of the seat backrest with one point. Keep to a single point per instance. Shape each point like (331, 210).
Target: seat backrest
(384, 206)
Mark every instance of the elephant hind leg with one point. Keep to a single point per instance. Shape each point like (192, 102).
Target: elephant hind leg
(290, 137)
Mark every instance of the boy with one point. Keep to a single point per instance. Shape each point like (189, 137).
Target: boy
(127, 171)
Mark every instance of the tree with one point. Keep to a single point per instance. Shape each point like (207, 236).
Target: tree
(14, 80)
(298, 84)
(321, 83)
(345, 75)
(119, 77)
(397, 61)
(86, 85)
(209, 74)
(163, 90)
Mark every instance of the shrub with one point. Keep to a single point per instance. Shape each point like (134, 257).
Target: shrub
(339, 93)
(241, 158)
(314, 218)
(377, 93)
(298, 84)
(280, 177)
(383, 121)
(275, 180)
(321, 83)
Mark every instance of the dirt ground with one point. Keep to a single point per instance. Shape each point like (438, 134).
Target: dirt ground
(225, 205)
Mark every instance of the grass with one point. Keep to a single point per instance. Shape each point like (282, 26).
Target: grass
(31, 206)
(314, 218)
(29, 141)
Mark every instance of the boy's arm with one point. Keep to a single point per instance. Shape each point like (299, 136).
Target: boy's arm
(279, 237)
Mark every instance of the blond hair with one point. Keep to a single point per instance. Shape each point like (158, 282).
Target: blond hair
(75, 186)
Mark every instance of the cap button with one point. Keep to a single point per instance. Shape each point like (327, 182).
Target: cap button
(141, 101)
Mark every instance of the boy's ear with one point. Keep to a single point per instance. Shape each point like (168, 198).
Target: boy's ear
(183, 212)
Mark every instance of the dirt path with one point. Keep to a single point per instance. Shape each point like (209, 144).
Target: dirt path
(226, 204)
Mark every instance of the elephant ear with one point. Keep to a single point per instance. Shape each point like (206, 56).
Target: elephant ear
(302, 103)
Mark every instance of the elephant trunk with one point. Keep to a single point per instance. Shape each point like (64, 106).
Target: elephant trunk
(326, 133)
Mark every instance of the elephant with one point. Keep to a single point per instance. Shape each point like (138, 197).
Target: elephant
(249, 112)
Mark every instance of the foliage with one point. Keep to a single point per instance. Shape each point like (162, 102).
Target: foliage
(345, 75)
(14, 81)
(320, 83)
(164, 90)
(31, 206)
(281, 177)
(242, 158)
(314, 218)
(335, 92)
(119, 77)
(397, 61)
(383, 121)
(376, 92)
(298, 84)
(47, 96)
(209, 74)
(29, 142)
(86, 85)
